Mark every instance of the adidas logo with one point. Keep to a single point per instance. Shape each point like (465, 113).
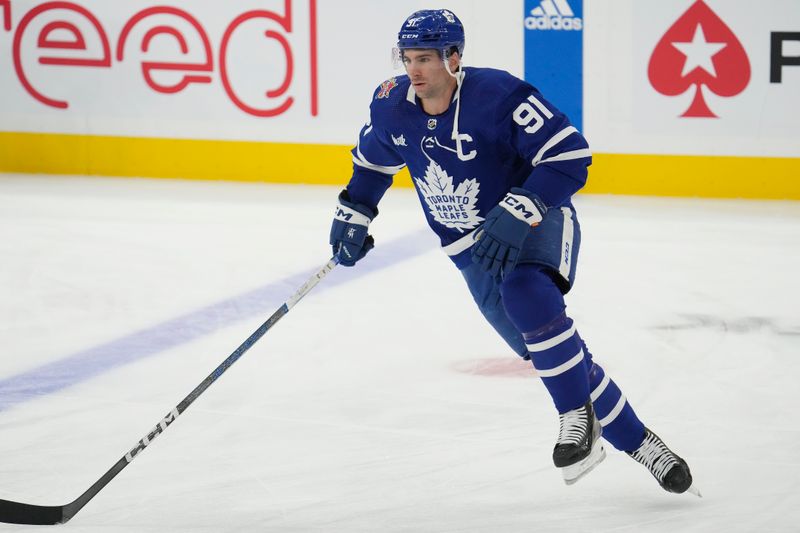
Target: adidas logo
(553, 15)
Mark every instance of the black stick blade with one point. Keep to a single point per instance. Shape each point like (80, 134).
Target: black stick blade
(23, 513)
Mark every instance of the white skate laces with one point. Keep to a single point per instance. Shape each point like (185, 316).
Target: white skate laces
(573, 426)
(671, 472)
(578, 449)
(655, 456)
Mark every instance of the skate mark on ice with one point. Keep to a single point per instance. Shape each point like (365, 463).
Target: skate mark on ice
(740, 325)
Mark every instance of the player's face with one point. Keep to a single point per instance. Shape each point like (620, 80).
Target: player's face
(427, 73)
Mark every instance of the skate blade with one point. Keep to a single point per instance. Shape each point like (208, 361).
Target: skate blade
(573, 473)
(694, 490)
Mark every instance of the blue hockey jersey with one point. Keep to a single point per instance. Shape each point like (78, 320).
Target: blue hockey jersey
(506, 135)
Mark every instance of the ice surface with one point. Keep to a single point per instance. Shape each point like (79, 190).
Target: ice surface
(382, 402)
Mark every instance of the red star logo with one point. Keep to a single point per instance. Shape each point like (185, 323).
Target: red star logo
(699, 49)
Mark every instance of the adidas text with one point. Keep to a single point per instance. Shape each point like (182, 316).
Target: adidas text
(554, 23)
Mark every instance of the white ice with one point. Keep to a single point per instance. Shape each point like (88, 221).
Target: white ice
(382, 401)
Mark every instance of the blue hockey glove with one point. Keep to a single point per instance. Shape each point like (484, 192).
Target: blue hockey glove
(507, 226)
(349, 236)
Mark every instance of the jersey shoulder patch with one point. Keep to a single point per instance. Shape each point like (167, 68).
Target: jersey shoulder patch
(386, 88)
(390, 88)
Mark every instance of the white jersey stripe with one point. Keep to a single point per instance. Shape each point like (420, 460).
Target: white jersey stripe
(456, 247)
(551, 342)
(606, 420)
(560, 369)
(361, 161)
(567, 237)
(367, 130)
(566, 156)
(410, 95)
(552, 141)
(378, 168)
(598, 391)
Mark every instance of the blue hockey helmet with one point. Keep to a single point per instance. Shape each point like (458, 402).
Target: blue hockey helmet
(432, 28)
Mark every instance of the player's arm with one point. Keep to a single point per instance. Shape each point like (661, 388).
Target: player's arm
(559, 156)
(375, 162)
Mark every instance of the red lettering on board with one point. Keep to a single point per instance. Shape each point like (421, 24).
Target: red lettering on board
(64, 35)
(149, 66)
(44, 43)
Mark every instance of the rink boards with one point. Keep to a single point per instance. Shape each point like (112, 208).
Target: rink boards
(685, 98)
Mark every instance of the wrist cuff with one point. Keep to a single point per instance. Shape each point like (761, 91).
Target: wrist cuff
(526, 207)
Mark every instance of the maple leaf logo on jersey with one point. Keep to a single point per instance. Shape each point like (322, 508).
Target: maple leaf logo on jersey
(386, 88)
(451, 207)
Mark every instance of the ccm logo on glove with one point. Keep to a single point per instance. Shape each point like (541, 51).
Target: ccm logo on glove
(346, 214)
(525, 208)
(349, 231)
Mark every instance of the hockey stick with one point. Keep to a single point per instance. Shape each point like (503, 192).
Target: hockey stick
(23, 513)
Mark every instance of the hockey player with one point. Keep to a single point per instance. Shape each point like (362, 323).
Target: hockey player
(495, 165)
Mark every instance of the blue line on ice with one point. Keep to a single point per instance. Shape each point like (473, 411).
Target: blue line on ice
(86, 364)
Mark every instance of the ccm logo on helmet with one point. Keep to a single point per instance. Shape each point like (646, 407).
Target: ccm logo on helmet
(409, 36)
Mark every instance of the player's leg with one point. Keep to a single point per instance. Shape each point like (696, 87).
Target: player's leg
(575, 443)
(623, 428)
(535, 305)
(532, 297)
(486, 293)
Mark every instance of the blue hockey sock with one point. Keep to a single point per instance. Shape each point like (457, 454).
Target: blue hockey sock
(559, 360)
(535, 305)
(621, 427)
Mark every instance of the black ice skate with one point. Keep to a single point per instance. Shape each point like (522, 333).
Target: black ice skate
(671, 472)
(578, 449)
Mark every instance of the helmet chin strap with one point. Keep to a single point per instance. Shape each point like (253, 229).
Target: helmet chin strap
(456, 136)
